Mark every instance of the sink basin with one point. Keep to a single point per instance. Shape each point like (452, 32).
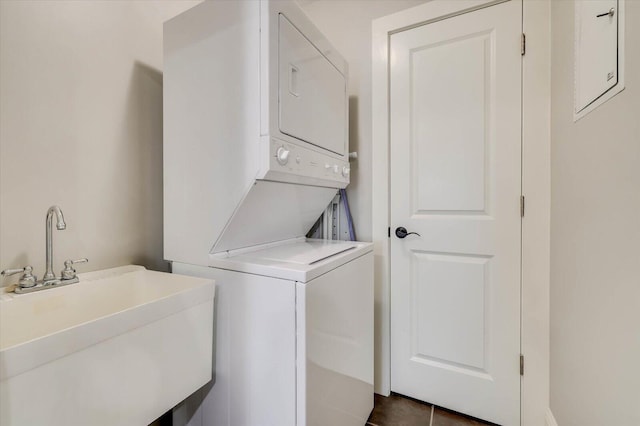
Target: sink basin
(121, 347)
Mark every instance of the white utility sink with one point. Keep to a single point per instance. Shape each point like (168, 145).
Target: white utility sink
(121, 347)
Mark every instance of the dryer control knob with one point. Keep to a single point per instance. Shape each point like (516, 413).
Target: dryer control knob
(282, 155)
(336, 168)
(346, 170)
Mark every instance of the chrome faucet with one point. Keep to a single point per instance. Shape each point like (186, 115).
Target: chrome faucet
(60, 226)
(28, 281)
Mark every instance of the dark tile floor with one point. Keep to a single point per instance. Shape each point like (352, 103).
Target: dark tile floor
(398, 410)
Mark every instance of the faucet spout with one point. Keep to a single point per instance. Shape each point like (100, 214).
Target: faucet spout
(60, 225)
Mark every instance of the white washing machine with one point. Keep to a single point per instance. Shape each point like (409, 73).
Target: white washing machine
(293, 337)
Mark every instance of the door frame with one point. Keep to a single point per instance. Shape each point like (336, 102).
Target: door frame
(536, 187)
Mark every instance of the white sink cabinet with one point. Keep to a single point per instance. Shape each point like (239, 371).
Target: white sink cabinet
(121, 347)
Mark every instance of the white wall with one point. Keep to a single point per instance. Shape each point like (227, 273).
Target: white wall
(81, 127)
(81, 123)
(347, 24)
(595, 244)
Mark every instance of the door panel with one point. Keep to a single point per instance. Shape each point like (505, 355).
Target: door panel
(455, 179)
(596, 50)
(453, 287)
(449, 159)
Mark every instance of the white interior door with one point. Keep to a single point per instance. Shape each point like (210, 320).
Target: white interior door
(455, 123)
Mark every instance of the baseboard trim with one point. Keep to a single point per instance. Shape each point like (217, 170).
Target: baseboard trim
(549, 420)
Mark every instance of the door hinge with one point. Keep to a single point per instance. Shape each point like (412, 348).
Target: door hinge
(521, 365)
(389, 232)
(522, 206)
(523, 44)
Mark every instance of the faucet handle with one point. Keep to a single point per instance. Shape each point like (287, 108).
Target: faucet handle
(68, 273)
(26, 280)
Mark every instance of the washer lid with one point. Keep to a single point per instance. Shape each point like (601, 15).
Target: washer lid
(299, 260)
(303, 252)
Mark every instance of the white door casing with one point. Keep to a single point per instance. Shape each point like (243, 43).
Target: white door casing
(455, 178)
(536, 86)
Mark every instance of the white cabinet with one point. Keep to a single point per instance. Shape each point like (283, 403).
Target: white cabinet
(598, 52)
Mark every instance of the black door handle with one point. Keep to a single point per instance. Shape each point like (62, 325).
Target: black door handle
(610, 13)
(401, 232)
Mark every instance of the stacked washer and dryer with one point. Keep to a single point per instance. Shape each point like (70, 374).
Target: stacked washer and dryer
(255, 147)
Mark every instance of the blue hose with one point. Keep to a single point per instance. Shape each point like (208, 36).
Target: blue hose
(352, 232)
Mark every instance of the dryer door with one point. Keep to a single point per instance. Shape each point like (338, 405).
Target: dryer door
(312, 92)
